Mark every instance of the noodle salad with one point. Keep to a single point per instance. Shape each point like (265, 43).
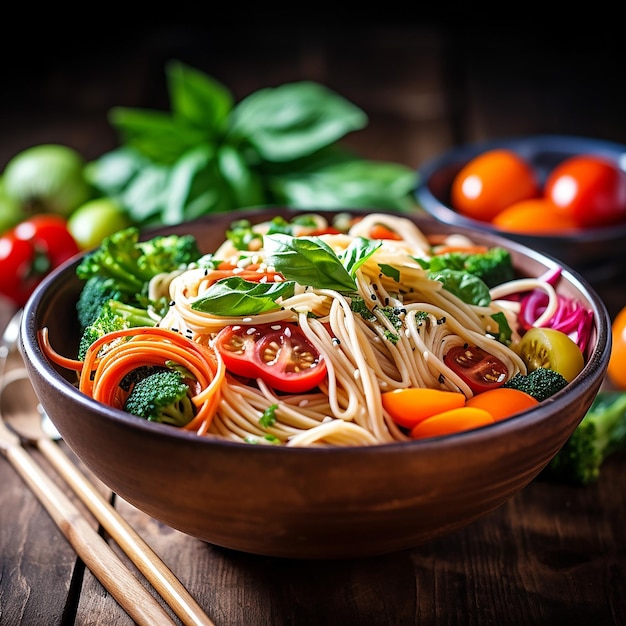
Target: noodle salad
(355, 332)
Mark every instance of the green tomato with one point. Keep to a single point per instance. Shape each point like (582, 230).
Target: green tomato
(91, 222)
(47, 178)
(11, 211)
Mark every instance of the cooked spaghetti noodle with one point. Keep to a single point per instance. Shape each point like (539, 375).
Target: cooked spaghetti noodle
(362, 362)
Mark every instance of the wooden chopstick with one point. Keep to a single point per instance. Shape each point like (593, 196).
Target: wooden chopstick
(97, 555)
(139, 552)
(149, 564)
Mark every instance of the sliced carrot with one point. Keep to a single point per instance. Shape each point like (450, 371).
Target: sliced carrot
(408, 407)
(452, 421)
(502, 402)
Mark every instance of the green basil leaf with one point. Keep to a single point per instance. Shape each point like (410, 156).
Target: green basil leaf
(390, 271)
(146, 194)
(467, 287)
(235, 296)
(355, 183)
(198, 99)
(155, 134)
(113, 171)
(308, 261)
(245, 184)
(359, 250)
(504, 329)
(293, 120)
(189, 179)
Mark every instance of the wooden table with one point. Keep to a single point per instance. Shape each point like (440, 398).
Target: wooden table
(551, 555)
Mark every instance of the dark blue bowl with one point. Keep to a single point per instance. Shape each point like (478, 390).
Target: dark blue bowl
(596, 253)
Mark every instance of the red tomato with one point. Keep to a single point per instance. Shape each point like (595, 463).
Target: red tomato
(279, 354)
(378, 231)
(479, 369)
(30, 251)
(536, 215)
(589, 190)
(492, 181)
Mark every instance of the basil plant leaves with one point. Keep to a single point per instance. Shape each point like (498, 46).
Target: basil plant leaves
(279, 146)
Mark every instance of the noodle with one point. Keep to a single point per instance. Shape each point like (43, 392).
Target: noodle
(401, 342)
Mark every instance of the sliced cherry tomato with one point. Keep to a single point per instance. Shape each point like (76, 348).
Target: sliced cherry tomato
(30, 251)
(589, 190)
(536, 215)
(479, 369)
(552, 349)
(617, 360)
(492, 181)
(279, 354)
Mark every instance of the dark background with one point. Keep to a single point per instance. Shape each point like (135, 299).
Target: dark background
(426, 82)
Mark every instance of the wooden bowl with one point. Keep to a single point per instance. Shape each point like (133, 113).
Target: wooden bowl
(595, 253)
(315, 503)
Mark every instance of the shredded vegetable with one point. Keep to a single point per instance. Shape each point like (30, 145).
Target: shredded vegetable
(570, 316)
(114, 355)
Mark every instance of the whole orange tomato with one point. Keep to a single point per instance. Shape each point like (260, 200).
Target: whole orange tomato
(589, 190)
(535, 215)
(617, 362)
(492, 181)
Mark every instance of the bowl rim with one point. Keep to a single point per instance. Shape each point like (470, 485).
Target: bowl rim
(588, 377)
(524, 145)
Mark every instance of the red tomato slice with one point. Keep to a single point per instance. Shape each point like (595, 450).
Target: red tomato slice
(479, 369)
(279, 354)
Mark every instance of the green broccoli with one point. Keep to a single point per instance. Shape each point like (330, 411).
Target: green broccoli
(113, 315)
(96, 292)
(129, 264)
(493, 267)
(162, 396)
(540, 383)
(602, 432)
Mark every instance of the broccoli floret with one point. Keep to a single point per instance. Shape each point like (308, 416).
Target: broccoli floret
(493, 267)
(129, 264)
(113, 315)
(161, 397)
(602, 432)
(96, 292)
(540, 383)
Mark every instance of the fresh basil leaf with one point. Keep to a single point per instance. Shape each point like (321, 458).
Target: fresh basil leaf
(308, 261)
(198, 99)
(235, 296)
(245, 184)
(190, 181)
(293, 120)
(146, 195)
(113, 171)
(504, 330)
(467, 287)
(359, 251)
(390, 271)
(155, 134)
(356, 183)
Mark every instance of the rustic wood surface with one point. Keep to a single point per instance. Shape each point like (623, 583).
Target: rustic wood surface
(551, 555)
